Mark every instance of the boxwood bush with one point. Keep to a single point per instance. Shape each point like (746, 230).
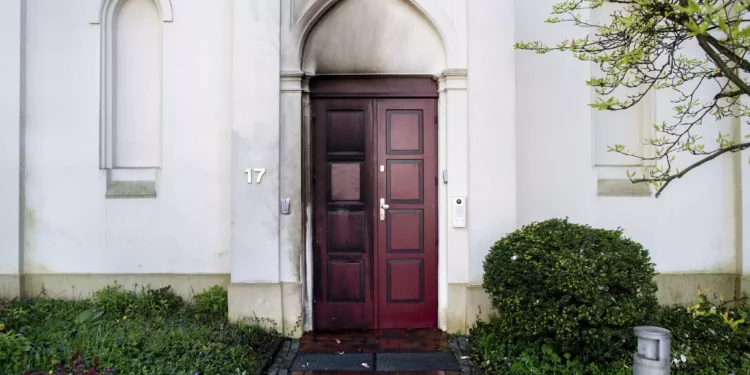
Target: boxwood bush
(570, 288)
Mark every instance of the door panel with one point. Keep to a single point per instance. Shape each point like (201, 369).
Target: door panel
(407, 235)
(342, 243)
(373, 267)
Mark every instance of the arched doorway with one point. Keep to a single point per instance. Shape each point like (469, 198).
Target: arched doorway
(373, 157)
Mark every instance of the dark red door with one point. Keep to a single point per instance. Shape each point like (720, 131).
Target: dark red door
(342, 243)
(375, 229)
(407, 218)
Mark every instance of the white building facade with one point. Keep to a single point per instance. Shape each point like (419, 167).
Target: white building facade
(177, 142)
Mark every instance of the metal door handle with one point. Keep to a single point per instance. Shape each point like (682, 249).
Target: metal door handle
(383, 207)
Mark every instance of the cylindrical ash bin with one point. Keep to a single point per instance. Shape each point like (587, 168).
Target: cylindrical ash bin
(652, 357)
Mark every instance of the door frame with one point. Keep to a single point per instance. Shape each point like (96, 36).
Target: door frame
(375, 87)
(452, 120)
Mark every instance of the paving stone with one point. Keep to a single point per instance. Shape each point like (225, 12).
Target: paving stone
(463, 343)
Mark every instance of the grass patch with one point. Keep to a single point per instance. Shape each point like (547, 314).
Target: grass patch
(151, 331)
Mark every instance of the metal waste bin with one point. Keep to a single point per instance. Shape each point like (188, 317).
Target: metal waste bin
(653, 356)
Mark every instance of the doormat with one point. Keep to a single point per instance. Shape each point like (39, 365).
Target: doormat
(416, 362)
(375, 362)
(333, 362)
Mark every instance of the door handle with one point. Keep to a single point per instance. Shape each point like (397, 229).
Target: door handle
(383, 207)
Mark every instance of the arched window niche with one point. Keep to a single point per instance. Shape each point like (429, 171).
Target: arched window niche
(131, 94)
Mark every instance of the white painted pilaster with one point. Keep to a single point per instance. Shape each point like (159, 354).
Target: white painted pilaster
(290, 225)
(492, 131)
(11, 78)
(743, 251)
(456, 146)
(255, 142)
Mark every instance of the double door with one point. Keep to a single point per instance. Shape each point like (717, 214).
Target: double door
(375, 212)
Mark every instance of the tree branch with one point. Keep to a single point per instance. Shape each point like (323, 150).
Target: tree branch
(725, 69)
(743, 64)
(714, 155)
(728, 94)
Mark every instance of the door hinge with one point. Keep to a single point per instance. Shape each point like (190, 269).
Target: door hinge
(436, 120)
(313, 119)
(436, 181)
(437, 242)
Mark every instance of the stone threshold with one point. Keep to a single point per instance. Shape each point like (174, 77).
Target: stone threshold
(367, 362)
(289, 361)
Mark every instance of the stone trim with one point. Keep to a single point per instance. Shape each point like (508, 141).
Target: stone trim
(468, 303)
(453, 79)
(78, 286)
(622, 188)
(292, 81)
(276, 305)
(131, 189)
(682, 288)
(10, 286)
(478, 305)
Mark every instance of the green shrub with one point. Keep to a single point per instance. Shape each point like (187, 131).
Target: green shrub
(706, 339)
(491, 351)
(112, 299)
(159, 300)
(569, 287)
(212, 303)
(116, 301)
(712, 339)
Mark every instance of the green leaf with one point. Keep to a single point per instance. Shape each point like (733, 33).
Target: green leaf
(86, 316)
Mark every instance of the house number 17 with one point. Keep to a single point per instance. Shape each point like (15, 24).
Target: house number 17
(258, 171)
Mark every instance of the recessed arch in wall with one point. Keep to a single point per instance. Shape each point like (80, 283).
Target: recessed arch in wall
(137, 39)
(355, 25)
(105, 9)
(367, 37)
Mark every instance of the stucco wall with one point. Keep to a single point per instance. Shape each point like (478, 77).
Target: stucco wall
(516, 139)
(690, 228)
(10, 135)
(492, 129)
(70, 226)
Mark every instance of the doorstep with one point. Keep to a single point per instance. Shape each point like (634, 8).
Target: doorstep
(375, 373)
(402, 352)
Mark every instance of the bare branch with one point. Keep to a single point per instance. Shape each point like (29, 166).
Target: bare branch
(712, 156)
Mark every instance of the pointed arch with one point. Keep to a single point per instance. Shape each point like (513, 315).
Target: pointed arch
(316, 10)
